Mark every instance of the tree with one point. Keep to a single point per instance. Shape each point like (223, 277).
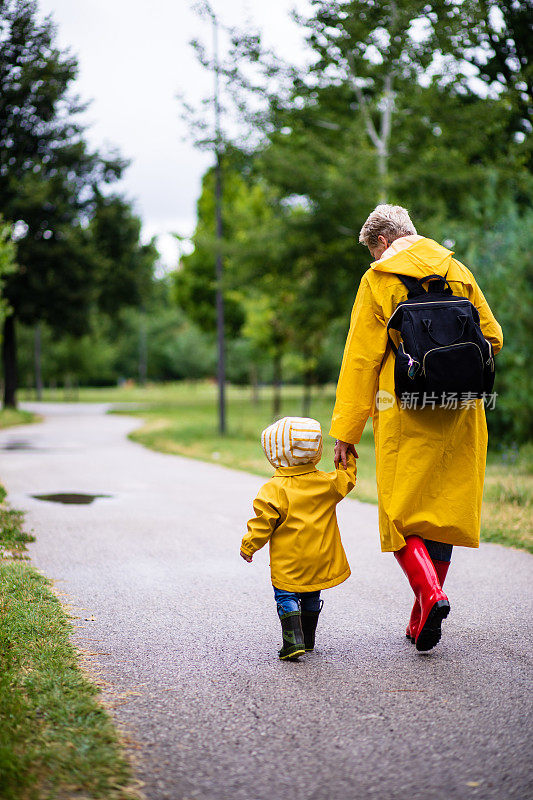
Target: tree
(124, 266)
(388, 106)
(371, 50)
(496, 249)
(7, 264)
(495, 37)
(7, 267)
(109, 352)
(47, 181)
(195, 282)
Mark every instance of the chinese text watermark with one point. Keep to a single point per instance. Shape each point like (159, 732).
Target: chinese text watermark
(448, 400)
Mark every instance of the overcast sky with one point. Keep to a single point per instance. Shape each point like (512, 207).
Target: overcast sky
(134, 57)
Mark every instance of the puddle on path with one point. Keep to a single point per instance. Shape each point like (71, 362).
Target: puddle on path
(70, 498)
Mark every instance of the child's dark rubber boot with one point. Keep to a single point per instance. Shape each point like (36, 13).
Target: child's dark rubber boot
(434, 606)
(293, 638)
(309, 623)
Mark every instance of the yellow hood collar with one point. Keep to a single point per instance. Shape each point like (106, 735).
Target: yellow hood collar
(423, 257)
(300, 469)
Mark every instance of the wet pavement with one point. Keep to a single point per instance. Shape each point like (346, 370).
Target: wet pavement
(186, 634)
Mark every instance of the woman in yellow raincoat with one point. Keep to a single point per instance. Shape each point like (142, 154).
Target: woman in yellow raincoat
(430, 462)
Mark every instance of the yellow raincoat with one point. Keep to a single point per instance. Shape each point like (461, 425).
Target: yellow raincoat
(430, 463)
(295, 512)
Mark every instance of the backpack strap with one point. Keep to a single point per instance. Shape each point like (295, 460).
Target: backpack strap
(414, 287)
(443, 282)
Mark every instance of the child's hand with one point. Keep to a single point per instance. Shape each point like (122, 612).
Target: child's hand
(246, 557)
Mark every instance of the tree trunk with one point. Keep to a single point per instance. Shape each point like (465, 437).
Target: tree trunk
(37, 363)
(276, 386)
(379, 140)
(9, 354)
(382, 173)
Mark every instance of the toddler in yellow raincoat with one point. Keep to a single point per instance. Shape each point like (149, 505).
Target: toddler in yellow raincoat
(295, 512)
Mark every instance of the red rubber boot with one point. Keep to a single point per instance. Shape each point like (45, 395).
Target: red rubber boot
(414, 622)
(441, 568)
(421, 574)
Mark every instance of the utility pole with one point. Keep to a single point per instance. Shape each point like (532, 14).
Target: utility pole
(219, 266)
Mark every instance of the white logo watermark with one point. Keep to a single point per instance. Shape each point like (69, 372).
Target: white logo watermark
(384, 400)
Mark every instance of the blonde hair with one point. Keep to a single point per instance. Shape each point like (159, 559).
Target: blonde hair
(386, 220)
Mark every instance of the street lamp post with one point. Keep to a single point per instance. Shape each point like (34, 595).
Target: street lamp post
(219, 266)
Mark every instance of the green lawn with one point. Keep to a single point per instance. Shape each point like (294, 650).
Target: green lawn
(508, 500)
(56, 740)
(181, 418)
(188, 425)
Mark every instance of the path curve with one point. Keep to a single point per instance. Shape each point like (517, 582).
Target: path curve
(187, 633)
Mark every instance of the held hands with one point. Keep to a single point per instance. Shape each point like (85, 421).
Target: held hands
(246, 557)
(340, 452)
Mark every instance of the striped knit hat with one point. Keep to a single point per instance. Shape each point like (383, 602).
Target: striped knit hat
(291, 441)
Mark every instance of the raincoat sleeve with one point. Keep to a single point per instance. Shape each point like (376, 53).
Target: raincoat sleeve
(361, 364)
(262, 526)
(344, 479)
(490, 328)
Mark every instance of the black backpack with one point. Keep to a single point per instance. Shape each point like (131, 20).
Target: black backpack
(442, 353)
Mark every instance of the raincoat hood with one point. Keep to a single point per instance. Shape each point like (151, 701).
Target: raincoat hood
(423, 257)
(293, 441)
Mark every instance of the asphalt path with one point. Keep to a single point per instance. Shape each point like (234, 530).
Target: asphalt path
(186, 635)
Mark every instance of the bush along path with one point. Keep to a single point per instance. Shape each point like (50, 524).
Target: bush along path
(56, 740)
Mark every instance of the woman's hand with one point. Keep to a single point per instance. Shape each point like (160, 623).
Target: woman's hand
(246, 557)
(340, 452)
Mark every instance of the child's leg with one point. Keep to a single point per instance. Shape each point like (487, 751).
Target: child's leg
(311, 606)
(310, 601)
(286, 601)
(291, 624)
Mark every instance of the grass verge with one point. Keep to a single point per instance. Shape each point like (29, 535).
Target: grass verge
(508, 500)
(56, 740)
(12, 416)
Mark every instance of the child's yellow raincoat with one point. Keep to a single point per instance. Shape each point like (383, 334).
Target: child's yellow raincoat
(295, 512)
(430, 464)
